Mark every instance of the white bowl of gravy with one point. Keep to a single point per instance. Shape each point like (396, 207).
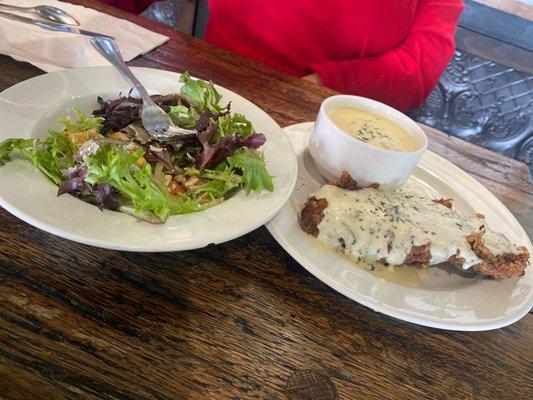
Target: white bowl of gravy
(373, 142)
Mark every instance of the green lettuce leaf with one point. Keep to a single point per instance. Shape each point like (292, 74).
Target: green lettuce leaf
(12, 149)
(236, 124)
(55, 154)
(82, 123)
(201, 94)
(50, 156)
(183, 116)
(117, 167)
(220, 182)
(255, 176)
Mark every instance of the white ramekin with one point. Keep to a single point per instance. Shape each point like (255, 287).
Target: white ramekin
(335, 151)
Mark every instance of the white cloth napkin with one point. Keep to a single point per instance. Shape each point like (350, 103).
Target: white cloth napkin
(52, 51)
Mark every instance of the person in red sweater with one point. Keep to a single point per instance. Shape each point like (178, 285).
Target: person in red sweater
(392, 51)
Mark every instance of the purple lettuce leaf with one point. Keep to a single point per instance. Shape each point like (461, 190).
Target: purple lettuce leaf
(121, 112)
(205, 119)
(106, 197)
(101, 194)
(162, 155)
(75, 179)
(213, 154)
(203, 122)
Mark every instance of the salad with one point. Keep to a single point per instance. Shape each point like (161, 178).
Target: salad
(109, 160)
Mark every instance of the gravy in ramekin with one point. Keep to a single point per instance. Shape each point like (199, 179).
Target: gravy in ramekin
(373, 129)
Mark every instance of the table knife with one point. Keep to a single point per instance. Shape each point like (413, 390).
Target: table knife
(52, 26)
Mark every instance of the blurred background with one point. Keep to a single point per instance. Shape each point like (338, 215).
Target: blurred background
(485, 95)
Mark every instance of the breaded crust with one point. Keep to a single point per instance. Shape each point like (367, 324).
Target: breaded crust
(346, 182)
(456, 259)
(419, 254)
(445, 202)
(312, 215)
(507, 265)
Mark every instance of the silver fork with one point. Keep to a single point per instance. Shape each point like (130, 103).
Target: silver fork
(156, 121)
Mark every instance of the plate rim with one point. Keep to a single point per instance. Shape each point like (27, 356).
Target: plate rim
(183, 245)
(387, 310)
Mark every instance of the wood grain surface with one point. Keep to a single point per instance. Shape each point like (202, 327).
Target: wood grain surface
(241, 320)
(521, 8)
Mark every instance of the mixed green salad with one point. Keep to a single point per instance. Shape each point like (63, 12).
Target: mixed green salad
(109, 160)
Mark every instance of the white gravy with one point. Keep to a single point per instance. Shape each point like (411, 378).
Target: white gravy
(385, 224)
(372, 129)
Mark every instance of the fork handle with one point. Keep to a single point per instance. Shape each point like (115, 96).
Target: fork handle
(109, 50)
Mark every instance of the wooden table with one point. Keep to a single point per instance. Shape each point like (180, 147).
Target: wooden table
(241, 320)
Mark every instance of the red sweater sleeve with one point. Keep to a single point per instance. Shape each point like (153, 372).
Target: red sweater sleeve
(404, 76)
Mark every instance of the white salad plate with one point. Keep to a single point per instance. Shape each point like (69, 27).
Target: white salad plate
(29, 108)
(438, 297)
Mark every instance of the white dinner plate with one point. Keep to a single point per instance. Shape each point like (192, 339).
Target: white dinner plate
(30, 107)
(437, 297)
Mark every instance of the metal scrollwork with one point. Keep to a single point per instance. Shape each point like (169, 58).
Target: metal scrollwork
(525, 153)
(487, 103)
(434, 106)
(462, 110)
(164, 12)
(457, 73)
(505, 128)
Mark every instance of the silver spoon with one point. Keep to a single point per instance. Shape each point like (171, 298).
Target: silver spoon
(156, 121)
(48, 12)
